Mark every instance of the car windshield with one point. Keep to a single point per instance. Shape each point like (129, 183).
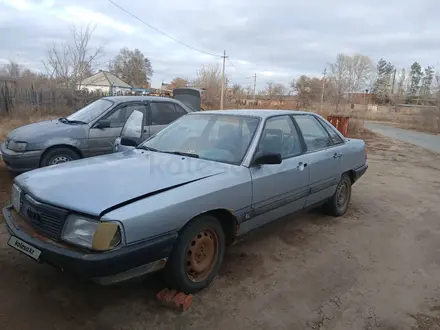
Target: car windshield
(91, 111)
(217, 137)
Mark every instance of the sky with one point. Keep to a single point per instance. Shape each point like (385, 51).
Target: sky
(277, 40)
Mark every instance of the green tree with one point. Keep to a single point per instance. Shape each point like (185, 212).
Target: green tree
(428, 77)
(382, 86)
(415, 76)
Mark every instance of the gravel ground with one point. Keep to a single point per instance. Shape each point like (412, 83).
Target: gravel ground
(378, 267)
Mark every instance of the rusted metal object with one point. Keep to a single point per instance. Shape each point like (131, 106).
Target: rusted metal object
(175, 300)
(201, 255)
(340, 122)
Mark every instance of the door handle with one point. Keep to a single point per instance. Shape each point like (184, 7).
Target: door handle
(301, 165)
(145, 130)
(336, 155)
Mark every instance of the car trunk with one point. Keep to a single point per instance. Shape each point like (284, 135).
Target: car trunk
(191, 97)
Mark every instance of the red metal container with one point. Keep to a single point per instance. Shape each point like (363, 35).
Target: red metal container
(340, 122)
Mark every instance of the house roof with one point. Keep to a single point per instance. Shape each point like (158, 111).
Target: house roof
(104, 78)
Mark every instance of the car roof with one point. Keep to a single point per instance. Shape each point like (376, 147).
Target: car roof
(262, 113)
(128, 98)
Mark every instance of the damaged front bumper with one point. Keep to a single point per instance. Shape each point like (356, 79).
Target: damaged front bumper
(105, 268)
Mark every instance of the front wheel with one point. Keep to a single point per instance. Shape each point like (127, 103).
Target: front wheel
(58, 155)
(196, 256)
(337, 205)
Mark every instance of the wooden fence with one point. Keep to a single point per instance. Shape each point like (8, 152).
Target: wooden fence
(14, 100)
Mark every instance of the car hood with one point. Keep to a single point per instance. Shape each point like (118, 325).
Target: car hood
(93, 185)
(37, 132)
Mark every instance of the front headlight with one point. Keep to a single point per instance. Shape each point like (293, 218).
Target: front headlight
(91, 234)
(17, 146)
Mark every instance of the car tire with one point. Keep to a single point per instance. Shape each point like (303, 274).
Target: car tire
(58, 155)
(196, 256)
(337, 205)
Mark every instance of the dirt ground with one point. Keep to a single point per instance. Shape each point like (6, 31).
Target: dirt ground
(378, 267)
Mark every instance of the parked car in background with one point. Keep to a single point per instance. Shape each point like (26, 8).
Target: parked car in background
(180, 197)
(152, 122)
(92, 130)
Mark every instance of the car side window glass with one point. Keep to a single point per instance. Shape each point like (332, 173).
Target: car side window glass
(119, 116)
(180, 111)
(280, 136)
(163, 113)
(314, 134)
(336, 139)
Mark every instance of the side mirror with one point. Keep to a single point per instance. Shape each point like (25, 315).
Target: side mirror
(104, 123)
(268, 158)
(125, 141)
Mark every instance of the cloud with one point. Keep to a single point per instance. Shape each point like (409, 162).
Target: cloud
(276, 39)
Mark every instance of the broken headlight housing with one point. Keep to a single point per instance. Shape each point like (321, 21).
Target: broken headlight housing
(92, 234)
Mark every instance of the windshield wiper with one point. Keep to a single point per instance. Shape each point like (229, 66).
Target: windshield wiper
(64, 120)
(180, 153)
(147, 148)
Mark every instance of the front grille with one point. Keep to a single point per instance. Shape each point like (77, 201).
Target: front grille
(45, 219)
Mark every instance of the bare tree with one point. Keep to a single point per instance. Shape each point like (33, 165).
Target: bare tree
(436, 89)
(72, 61)
(401, 86)
(179, 82)
(339, 75)
(276, 91)
(307, 89)
(209, 77)
(360, 69)
(12, 69)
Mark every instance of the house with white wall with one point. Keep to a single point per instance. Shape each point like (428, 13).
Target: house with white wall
(105, 82)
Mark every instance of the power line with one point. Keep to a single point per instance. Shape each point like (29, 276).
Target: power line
(236, 70)
(161, 32)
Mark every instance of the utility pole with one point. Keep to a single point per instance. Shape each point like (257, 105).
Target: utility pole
(255, 84)
(322, 89)
(223, 80)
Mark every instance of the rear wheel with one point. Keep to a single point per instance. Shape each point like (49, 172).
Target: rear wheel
(196, 256)
(58, 155)
(337, 205)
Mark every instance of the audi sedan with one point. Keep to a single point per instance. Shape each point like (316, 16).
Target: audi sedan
(178, 199)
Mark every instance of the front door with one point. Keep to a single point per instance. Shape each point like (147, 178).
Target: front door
(325, 159)
(278, 190)
(101, 140)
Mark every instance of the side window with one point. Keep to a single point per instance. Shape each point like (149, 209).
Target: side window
(280, 135)
(315, 136)
(180, 111)
(163, 113)
(119, 116)
(336, 139)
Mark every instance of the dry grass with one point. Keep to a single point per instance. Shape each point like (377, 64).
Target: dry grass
(7, 123)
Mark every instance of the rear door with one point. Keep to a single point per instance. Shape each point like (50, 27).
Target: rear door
(325, 158)
(161, 114)
(101, 140)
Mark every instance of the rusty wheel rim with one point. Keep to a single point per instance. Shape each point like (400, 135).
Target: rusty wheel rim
(201, 255)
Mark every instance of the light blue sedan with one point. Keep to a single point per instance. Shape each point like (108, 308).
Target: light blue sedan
(178, 199)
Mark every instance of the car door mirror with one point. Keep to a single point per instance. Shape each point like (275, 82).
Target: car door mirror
(103, 123)
(134, 127)
(126, 141)
(268, 158)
